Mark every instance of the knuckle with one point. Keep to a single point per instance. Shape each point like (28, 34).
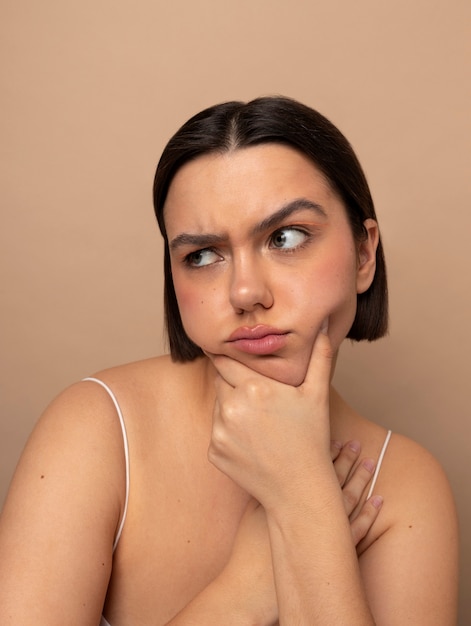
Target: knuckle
(228, 412)
(258, 389)
(212, 454)
(218, 440)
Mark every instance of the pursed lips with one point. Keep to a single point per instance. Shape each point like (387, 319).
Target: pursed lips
(260, 339)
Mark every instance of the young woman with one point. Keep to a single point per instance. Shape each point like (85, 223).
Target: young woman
(226, 507)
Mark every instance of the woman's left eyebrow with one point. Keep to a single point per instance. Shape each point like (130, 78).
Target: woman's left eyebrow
(286, 211)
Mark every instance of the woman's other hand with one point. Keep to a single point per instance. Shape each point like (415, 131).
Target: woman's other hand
(354, 479)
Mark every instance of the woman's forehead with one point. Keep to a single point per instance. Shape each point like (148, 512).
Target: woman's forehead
(253, 180)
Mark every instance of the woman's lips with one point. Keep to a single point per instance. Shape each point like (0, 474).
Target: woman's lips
(261, 340)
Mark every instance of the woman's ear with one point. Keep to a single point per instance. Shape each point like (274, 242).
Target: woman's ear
(367, 256)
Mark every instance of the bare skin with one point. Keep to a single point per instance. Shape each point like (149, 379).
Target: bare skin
(176, 539)
(236, 511)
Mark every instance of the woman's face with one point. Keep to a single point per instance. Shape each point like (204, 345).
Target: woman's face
(262, 254)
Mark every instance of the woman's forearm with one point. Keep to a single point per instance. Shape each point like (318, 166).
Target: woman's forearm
(315, 565)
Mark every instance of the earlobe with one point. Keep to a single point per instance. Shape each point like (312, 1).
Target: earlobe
(367, 256)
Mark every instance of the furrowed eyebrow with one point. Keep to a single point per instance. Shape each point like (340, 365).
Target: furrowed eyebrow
(198, 241)
(285, 211)
(209, 240)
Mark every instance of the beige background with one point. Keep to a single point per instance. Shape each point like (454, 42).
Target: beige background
(90, 92)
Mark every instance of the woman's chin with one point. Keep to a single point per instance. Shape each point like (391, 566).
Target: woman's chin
(280, 369)
(284, 370)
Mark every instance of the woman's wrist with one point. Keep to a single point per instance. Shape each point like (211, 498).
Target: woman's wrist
(315, 489)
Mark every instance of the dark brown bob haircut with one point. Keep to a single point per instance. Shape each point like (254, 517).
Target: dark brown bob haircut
(278, 120)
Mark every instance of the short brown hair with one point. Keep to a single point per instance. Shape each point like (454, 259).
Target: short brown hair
(279, 120)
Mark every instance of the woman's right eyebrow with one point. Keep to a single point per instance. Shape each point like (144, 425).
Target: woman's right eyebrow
(198, 241)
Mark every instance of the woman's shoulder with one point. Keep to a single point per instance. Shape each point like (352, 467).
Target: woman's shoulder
(69, 481)
(408, 470)
(411, 465)
(416, 532)
(153, 380)
(411, 480)
(136, 371)
(85, 413)
(159, 371)
(414, 486)
(418, 500)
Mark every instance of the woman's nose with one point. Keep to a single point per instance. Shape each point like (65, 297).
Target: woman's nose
(249, 286)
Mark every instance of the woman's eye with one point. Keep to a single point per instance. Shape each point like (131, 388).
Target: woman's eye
(288, 238)
(200, 258)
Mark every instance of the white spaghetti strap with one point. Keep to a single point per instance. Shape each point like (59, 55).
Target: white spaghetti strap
(378, 464)
(126, 454)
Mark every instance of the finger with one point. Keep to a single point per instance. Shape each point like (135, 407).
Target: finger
(346, 459)
(365, 519)
(335, 449)
(354, 488)
(320, 364)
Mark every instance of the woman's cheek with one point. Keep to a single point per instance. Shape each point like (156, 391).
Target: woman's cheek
(195, 313)
(341, 321)
(339, 307)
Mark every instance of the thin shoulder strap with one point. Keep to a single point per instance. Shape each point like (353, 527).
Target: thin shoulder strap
(126, 454)
(378, 464)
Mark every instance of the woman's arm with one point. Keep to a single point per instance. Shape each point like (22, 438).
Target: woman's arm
(317, 576)
(244, 593)
(410, 566)
(272, 439)
(61, 514)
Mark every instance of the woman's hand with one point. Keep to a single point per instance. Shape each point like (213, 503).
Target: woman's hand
(273, 440)
(268, 436)
(354, 483)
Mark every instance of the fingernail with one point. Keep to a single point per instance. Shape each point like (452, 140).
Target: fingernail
(325, 326)
(337, 444)
(376, 501)
(368, 464)
(354, 446)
